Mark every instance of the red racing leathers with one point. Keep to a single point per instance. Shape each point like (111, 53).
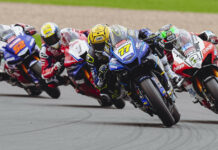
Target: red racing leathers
(50, 56)
(205, 36)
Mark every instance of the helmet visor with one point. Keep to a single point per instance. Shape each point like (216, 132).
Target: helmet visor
(51, 40)
(99, 46)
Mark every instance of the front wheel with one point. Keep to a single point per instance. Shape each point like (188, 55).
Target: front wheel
(212, 87)
(175, 113)
(119, 103)
(157, 102)
(53, 92)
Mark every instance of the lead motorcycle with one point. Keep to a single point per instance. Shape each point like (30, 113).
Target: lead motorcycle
(196, 61)
(80, 74)
(22, 63)
(140, 74)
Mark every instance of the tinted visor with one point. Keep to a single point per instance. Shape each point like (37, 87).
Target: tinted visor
(99, 46)
(51, 40)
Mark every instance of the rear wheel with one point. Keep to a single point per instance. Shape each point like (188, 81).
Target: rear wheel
(33, 91)
(212, 87)
(105, 101)
(157, 102)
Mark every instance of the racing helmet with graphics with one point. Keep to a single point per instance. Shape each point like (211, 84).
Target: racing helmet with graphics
(98, 37)
(169, 35)
(50, 33)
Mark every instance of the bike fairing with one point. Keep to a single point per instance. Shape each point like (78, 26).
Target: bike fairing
(119, 63)
(18, 50)
(143, 49)
(197, 67)
(74, 60)
(190, 52)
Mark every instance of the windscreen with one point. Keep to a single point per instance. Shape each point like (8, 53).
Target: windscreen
(185, 43)
(118, 34)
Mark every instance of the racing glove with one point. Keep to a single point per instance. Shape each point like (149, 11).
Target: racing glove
(57, 66)
(101, 76)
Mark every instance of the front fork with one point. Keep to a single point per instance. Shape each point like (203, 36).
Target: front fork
(29, 72)
(206, 101)
(165, 83)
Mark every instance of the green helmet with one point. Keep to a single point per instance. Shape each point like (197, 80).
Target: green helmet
(169, 35)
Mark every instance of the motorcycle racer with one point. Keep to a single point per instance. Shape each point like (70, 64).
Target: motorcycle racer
(169, 33)
(98, 57)
(100, 39)
(7, 31)
(55, 41)
(169, 40)
(162, 47)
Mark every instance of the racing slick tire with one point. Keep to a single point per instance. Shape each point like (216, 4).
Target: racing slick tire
(157, 102)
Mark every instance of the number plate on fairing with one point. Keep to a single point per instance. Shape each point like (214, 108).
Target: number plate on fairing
(124, 50)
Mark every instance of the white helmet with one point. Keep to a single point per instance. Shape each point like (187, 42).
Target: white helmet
(51, 35)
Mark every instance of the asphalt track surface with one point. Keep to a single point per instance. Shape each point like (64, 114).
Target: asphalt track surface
(76, 122)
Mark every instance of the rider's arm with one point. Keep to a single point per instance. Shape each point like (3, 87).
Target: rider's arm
(48, 69)
(91, 62)
(208, 36)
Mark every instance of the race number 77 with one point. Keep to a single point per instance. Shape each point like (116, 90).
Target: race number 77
(124, 49)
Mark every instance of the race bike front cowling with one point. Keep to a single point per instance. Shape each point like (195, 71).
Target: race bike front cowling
(23, 63)
(141, 75)
(197, 63)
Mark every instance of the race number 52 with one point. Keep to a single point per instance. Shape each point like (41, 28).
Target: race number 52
(19, 46)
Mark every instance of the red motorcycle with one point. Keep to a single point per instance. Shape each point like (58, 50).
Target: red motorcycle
(197, 62)
(80, 75)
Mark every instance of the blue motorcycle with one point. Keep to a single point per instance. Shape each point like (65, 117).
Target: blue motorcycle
(143, 78)
(21, 55)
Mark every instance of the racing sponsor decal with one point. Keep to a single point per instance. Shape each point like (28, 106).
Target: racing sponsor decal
(207, 49)
(178, 67)
(14, 42)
